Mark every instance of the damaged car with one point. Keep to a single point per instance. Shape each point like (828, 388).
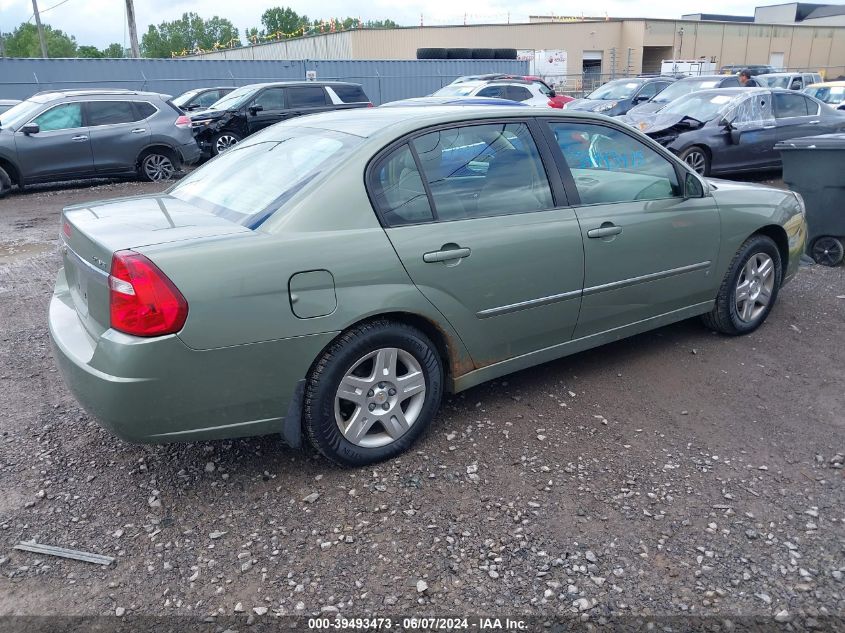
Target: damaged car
(256, 106)
(731, 130)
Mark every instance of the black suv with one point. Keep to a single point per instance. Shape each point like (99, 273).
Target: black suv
(254, 107)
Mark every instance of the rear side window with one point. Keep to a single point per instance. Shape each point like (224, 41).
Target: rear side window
(518, 93)
(110, 112)
(350, 93)
(398, 190)
(789, 105)
(306, 97)
(730, 82)
(499, 92)
(144, 110)
(609, 166)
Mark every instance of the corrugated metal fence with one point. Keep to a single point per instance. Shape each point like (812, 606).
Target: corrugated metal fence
(383, 80)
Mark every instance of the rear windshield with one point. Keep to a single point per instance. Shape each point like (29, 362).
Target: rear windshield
(684, 87)
(349, 93)
(456, 90)
(254, 179)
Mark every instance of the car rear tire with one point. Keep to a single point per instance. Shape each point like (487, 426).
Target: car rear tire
(5, 182)
(157, 165)
(698, 158)
(372, 393)
(223, 141)
(749, 289)
(828, 251)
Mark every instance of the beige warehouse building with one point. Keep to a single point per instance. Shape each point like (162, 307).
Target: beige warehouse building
(610, 47)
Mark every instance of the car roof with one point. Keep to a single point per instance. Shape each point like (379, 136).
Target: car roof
(52, 95)
(783, 74)
(828, 84)
(706, 78)
(398, 120)
(282, 84)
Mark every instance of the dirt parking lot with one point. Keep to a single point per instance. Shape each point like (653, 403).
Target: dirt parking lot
(677, 473)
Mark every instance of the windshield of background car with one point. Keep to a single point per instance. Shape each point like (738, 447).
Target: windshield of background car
(254, 179)
(19, 114)
(185, 97)
(701, 107)
(621, 89)
(777, 82)
(234, 99)
(456, 90)
(681, 88)
(829, 94)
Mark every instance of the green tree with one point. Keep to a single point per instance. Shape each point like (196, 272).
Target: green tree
(113, 51)
(23, 42)
(189, 33)
(283, 20)
(89, 51)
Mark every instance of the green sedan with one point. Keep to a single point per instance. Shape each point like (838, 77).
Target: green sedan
(331, 277)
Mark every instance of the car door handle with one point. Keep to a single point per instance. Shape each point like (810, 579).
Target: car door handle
(814, 122)
(81, 137)
(138, 130)
(606, 230)
(446, 254)
(769, 127)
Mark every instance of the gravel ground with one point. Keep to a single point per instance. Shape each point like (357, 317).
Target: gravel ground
(677, 473)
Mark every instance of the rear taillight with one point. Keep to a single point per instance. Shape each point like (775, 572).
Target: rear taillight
(183, 121)
(142, 300)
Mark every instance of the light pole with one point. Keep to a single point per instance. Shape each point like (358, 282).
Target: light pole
(40, 29)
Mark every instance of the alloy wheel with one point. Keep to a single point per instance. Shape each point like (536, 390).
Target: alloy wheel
(380, 397)
(224, 142)
(754, 287)
(158, 167)
(697, 160)
(828, 251)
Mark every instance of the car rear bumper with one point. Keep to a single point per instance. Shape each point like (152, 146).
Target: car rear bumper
(161, 390)
(190, 153)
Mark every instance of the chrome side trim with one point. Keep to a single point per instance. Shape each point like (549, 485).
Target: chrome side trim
(524, 305)
(615, 285)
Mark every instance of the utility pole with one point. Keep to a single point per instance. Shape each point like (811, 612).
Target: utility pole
(133, 30)
(40, 29)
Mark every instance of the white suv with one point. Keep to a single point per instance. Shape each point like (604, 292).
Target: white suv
(527, 92)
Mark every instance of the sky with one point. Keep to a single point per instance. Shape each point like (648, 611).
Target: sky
(101, 22)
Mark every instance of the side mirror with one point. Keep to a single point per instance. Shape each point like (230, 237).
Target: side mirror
(640, 99)
(735, 136)
(255, 109)
(552, 94)
(30, 128)
(692, 187)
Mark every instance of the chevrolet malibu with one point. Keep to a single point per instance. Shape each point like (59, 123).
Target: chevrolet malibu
(331, 277)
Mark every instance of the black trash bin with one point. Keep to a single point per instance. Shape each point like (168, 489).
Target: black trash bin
(814, 166)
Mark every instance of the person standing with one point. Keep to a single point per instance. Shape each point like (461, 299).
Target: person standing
(746, 80)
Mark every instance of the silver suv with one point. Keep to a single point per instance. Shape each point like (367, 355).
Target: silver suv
(65, 135)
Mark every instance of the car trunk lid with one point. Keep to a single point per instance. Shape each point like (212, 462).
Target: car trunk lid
(92, 233)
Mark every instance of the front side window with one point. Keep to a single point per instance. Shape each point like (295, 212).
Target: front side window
(789, 105)
(271, 99)
(483, 170)
(649, 90)
(306, 97)
(206, 99)
(110, 112)
(609, 166)
(64, 117)
(398, 190)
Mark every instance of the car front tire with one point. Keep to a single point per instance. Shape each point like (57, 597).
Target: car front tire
(223, 141)
(372, 393)
(5, 182)
(697, 158)
(749, 289)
